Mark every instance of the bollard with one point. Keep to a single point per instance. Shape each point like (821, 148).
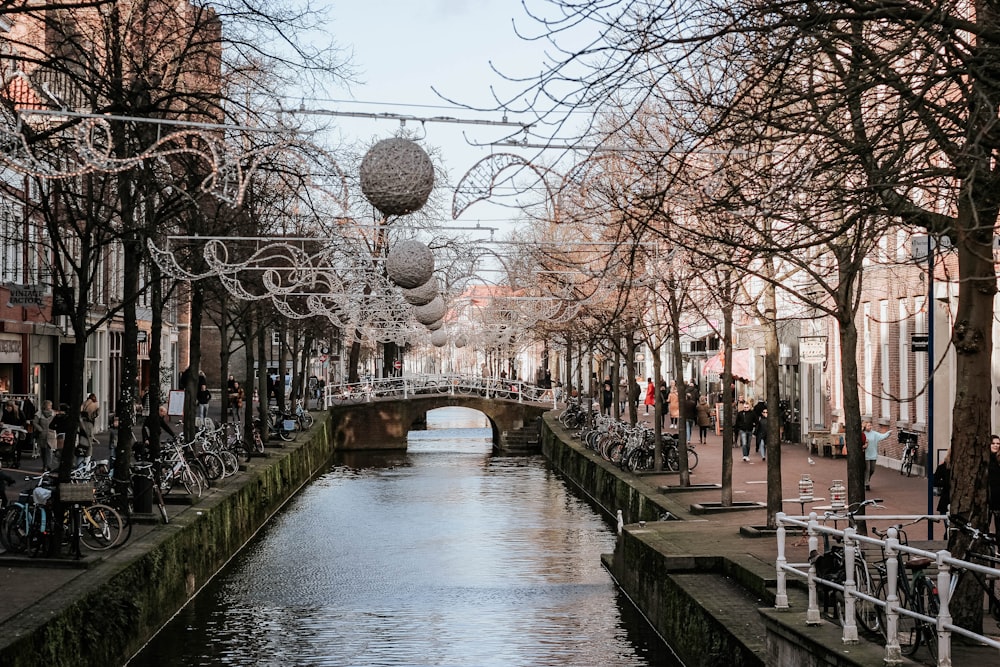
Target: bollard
(893, 656)
(812, 611)
(781, 596)
(850, 635)
(944, 611)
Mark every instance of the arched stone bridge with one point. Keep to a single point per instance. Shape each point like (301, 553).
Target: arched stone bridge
(383, 423)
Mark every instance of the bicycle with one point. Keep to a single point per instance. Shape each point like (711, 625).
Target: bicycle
(983, 549)
(831, 565)
(671, 458)
(302, 417)
(916, 593)
(26, 525)
(909, 456)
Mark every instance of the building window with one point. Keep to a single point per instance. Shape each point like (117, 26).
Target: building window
(920, 364)
(12, 234)
(904, 362)
(866, 346)
(883, 339)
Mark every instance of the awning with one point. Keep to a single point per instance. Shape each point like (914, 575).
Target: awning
(741, 365)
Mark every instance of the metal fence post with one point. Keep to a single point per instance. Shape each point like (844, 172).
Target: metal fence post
(850, 635)
(812, 611)
(781, 596)
(893, 656)
(944, 611)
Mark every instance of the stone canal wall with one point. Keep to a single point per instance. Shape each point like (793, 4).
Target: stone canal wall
(103, 616)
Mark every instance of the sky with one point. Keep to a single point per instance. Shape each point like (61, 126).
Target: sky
(402, 51)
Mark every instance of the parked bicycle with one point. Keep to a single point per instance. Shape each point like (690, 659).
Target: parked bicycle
(909, 456)
(26, 525)
(983, 551)
(916, 592)
(831, 566)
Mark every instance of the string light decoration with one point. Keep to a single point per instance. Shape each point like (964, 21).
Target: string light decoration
(422, 294)
(410, 263)
(397, 176)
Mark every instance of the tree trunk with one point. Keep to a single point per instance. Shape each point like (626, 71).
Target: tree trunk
(773, 396)
(727, 404)
(970, 444)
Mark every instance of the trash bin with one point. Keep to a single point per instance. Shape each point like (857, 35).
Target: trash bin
(142, 494)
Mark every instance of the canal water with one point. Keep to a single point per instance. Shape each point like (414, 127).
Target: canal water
(440, 555)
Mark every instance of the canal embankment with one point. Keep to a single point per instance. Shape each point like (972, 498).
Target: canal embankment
(100, 610)
(706, 586)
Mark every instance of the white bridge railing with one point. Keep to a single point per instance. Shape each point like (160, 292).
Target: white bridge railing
(419, 385)
(892, 547)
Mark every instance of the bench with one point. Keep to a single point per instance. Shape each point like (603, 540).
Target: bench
(825, 444)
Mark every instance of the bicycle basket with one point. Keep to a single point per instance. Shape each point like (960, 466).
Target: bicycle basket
(76, 493)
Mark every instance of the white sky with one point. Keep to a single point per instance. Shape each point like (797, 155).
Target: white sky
(403, 48)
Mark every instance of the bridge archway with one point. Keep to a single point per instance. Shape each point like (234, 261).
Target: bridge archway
(384, 423)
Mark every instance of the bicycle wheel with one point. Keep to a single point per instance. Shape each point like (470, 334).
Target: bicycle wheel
(14, 529)
(865, 610)
(213, 466)
(101, 528)
(692, 459)
(670, 460)
(907, 466)
(258, 442)
(230, 463)
(191, 482)
(307, 420)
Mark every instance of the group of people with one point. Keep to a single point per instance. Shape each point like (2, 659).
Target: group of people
(694, 409)
(752, 426)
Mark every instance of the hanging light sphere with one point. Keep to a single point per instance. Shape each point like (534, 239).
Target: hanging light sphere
(439, 338)
(410, 264)
(434, 326)
(430, 313)
(461, 341)
(396, 176)
(422, 294)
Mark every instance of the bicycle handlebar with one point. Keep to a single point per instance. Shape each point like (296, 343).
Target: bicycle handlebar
(961, 524)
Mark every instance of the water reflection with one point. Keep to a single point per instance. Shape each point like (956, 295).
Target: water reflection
(443, 555)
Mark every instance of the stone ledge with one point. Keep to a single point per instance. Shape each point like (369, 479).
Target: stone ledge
(717, 507)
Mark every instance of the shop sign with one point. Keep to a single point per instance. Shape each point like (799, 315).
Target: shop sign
(812, 349)
(25, 295)
(10, 349)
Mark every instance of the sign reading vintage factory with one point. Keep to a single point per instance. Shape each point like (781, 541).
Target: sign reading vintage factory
(25, 295)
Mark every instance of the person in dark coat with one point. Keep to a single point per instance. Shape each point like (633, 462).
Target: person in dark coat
(607, 395)
(942, 483)
(761, 433)
(993, 484)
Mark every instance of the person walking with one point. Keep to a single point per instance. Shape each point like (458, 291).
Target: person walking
(872, 439)
(993, 484)
(942, 480)
(746, 424)
(236, 396)
(690, 414)
(607, 395)
(650, 395)
(664, 402)
(760, 431)
(45, 435)
(203, 397)
(674, 405)
(89, 412)
(704, 418)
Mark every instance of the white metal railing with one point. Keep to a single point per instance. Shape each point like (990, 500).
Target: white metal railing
(412, 385)
(892, 548)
